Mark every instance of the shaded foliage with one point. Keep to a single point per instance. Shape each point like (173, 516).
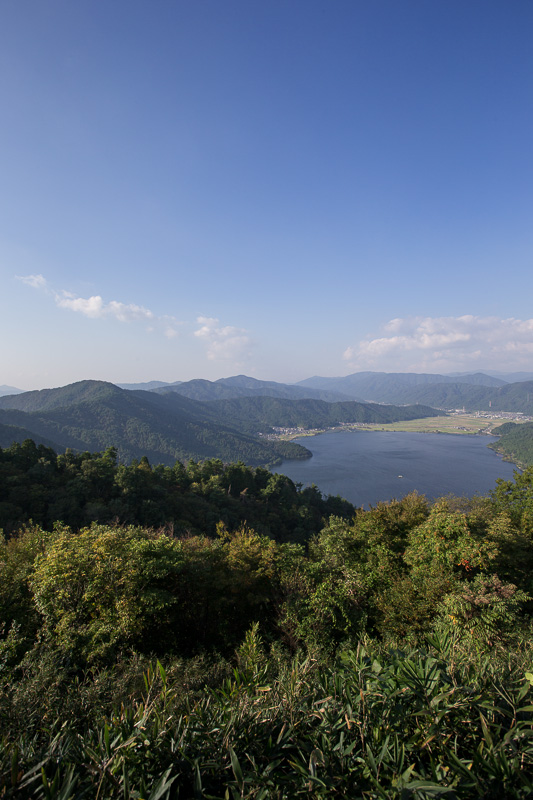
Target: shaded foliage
(77, 489)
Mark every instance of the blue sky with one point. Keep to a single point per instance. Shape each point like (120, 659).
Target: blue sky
(281, 188)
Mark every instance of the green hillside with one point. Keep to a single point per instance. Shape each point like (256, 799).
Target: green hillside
(94, 415)
(515, 442)
(14, 433)
(165, 427)
(477, 392)
(263, 413)
(63, 396)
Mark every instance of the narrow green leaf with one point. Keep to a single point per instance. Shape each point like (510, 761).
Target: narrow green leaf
(237, 771)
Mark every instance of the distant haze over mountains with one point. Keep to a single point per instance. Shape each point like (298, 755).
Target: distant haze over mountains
(474, 392)
(318, 387)
(477, 392)
(374, 384)
(9, 390)
(507, 377)
(243, 386)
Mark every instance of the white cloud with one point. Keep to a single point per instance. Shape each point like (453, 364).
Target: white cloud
(446, 343)
(94, 307)
(35, 281)
(90, 307)
(128, 312)
(223, 342)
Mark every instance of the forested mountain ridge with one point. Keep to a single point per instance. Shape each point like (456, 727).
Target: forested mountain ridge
(264, 413)
(14, 433)
(60, 397)
(95, 415)
(243, 386)
(146, 386)
(473, 392)
(388, 387)
(513, 397)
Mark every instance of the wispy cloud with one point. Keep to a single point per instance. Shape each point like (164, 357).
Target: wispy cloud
(36, 281)
(223, 342)
(446, 343)
(95, 307)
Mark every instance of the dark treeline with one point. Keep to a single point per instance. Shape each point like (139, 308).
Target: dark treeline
(252, 640)
(76, 489)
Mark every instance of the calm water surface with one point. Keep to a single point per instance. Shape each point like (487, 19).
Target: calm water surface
(365, 466)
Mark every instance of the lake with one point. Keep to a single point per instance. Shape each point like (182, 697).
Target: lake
(365, 466)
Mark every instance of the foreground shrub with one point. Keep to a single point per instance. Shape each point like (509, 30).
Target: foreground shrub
(373, 725)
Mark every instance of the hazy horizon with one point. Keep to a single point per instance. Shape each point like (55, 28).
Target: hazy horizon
(494, 373)
(282, 190)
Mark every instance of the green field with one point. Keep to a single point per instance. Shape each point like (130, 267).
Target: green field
(454, 424)
(458, 423)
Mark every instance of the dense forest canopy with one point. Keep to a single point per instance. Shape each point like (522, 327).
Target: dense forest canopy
(212, 630)
(40, 486)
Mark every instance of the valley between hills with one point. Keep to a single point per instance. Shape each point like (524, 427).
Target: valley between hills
(244, 419)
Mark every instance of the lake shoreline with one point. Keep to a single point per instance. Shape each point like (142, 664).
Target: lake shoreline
(449, 425)
(366, 469)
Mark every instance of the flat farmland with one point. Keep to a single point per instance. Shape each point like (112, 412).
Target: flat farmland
(456, 423)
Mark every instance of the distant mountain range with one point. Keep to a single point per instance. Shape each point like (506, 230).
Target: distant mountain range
(478, 392)
(240, 386)
(473, 392)
(507, 377)
(378, 385)
(224, 419)
(165, 426)
(9, 390)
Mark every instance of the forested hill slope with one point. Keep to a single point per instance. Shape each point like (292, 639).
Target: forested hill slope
(14, 433)
(517, 397)
(515, 442)
(61, 397)
(40, 486)
(437, 391)
(94, 415)
(256, 640)
(263, 413)
(390, 387)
